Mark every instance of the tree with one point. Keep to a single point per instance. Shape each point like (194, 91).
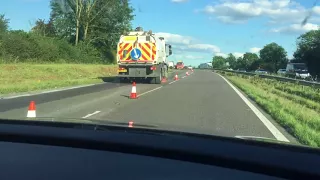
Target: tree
(44, 29)
(96, 22)
(4, 23)
(63, 20)
(273, 56)
(218, 62)
(232, 60)
(250, 59)
(308, 48)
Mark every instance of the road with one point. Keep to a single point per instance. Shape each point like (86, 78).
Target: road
(202, 102)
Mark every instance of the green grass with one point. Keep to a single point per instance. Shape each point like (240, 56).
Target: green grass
(295, 107)
(16, 78)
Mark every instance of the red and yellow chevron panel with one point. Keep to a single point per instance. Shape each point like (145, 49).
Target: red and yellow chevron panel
(148, 51)
(124, 47)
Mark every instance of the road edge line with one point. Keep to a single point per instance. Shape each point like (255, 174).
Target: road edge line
(275, 132)
(49, 91)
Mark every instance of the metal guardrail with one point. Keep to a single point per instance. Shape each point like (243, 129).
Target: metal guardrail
(284, 79)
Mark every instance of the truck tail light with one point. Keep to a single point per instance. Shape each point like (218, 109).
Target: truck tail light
(153, 68)
(121, 68)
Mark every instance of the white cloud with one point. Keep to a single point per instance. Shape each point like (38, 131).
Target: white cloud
(296, 28)
(225, 55)
(280, 11)
(193, 57)
(255, 50)
(187, 43)
(179, 1)
(175, 38)
(221, 54)
(238, 54)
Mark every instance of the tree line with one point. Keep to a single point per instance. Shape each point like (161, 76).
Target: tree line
(78, 31)
(273, 57)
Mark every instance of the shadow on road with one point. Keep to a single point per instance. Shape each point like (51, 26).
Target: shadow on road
(114, 79)
(126, 96)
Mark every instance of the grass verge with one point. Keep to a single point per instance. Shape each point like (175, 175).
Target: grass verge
(16, 78)
(297, 112)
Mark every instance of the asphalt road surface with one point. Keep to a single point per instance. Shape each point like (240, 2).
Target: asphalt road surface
(202, 102)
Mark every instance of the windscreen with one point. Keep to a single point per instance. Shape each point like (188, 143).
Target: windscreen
(213, 67)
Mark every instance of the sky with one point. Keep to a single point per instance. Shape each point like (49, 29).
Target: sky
(200, 29)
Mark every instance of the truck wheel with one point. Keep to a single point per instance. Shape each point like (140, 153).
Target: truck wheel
(156, 80)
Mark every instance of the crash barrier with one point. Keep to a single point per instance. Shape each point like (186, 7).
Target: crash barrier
(278, 78)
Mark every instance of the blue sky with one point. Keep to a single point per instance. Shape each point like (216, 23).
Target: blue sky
(199, 29)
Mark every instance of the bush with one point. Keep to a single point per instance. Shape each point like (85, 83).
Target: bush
(20, 46)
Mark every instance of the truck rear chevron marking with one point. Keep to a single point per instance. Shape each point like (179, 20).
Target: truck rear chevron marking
(122, 47)
(146, 48)
(148, 51)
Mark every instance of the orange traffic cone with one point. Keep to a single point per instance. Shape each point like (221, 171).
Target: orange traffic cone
(187, 73)
(130, 124)
(176, 77)
(32, 110)
(164, 79)
(133, 94)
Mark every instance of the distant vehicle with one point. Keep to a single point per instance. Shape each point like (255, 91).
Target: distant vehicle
(241, 70)
(204, 66)
(190, 67)
(261, 71)
(297, 70)
(171, 64)
(281, 71)
(180, 65)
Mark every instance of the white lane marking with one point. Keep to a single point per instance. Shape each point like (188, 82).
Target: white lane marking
(46, 92)
(254, 137)
(150, 91)
(276, 133)
(183, 77)
(88, 115)
(172, 82)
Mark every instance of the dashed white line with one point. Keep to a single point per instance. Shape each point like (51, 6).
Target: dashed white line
(172, 82)
(150, 91)
(276, 133)
(88, 115)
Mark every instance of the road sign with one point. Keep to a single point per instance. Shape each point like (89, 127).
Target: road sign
(135, 54)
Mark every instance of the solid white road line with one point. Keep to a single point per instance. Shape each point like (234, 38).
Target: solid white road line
(88, 115)
(150, 91)
(276, 133)
(48, 91)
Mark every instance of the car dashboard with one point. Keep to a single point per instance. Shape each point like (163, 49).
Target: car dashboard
(50, 150)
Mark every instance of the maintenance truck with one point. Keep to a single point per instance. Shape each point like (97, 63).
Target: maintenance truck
(142, 55)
